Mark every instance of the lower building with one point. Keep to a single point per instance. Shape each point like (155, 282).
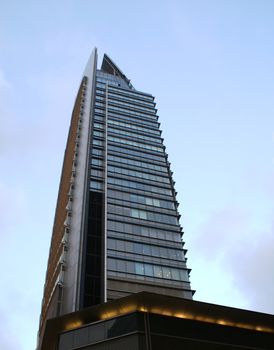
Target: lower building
(148, 321)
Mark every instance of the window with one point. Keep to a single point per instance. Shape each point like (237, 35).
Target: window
(129, 246)
(96, 173)
(120, 245)
(97, 142)
(138, 186)
(156, 202)
(157, 271)
(130, 267)
(146, 249)
(132, 143)
(97, 152)
(96, 185)
(149, 201)
(166, 273)
(134, 213)
(96, 162)
(143, 214)
(140, 214)
(121, 265)
(111, 264)
(98, 133)
(148, 270)
(146, 232)
(175, 274)
(138, 248)
(139, 268)
(155, 251)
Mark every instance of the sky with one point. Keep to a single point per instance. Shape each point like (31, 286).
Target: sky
(210, 65)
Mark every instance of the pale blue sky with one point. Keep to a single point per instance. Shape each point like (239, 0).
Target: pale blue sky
(210, 65)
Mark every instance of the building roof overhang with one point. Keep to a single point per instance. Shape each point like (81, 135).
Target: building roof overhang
(160, 305)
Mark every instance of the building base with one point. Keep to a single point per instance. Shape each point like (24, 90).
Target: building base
(146, 321)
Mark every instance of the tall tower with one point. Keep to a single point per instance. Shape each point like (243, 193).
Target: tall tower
(116, 229)
(116, 242)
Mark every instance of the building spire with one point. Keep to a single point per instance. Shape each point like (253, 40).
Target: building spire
(92, 61)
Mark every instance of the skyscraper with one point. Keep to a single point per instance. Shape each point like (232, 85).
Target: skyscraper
(117, 276)
(116, 229)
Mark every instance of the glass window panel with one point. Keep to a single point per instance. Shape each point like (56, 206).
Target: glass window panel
(161, 235)
(136, 229)
(111, 244)
(96, 185)
(120, 245)
(157, 271)
(133, 197)
(144, 231)
(143, 214)
(153, 233)
(111, 264)
(121, 265)
(155, 251)
(156, 202)
(111, 225)
(139, 268)
(149, 201)
(147, 249)
(166, 272)
(163, 252)
(129, 246)
(119, 226)
(180, 255)
(130, 267)
(141, 200)
(127, 211)
(118, 210)
(134, 213)
(184, 275)
(175, 274)
(148, 270)
(127, 228)
(174, 254)
(138, 248)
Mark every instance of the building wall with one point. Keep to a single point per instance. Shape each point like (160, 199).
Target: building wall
(116, 229)
(61, 292)
(133, 218)
(54, 283)
(147, 331)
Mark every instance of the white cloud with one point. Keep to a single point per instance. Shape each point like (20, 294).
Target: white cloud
(234, 261)
(253, 260)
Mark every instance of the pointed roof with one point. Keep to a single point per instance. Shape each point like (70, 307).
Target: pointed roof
(110, 67)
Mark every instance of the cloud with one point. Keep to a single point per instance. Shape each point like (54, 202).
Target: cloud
(234, 260)
(254, 261)
(221, 229)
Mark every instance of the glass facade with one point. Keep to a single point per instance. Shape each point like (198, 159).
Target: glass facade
(116, 229)
(133, 232)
